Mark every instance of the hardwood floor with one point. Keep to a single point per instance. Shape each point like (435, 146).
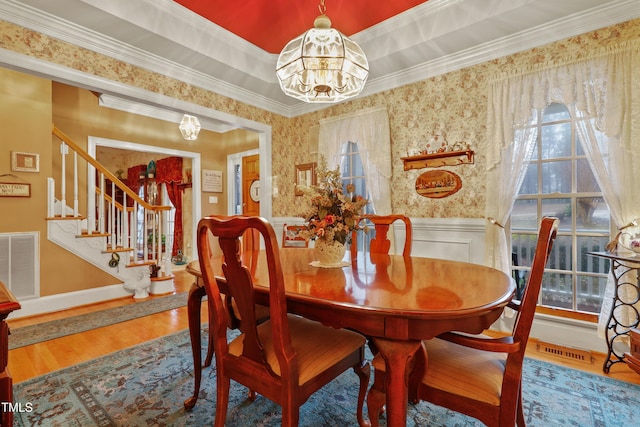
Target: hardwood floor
(37, 359)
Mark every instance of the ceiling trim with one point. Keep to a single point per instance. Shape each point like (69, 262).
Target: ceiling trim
(136, 107)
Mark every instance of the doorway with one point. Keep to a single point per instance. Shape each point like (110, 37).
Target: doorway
(196, 202)
(237, 194)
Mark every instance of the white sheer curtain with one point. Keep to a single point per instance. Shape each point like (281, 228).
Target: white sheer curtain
(370, 130)
(602, 88)
(614, 102)
(509, 151)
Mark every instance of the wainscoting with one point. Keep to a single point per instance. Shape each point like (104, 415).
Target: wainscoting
(456, 239)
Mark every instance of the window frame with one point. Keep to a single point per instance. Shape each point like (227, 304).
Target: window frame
(538, 160)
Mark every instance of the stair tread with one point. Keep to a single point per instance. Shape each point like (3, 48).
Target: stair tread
(138, 264)
(93, 235)
(60, 217)
(119, 249)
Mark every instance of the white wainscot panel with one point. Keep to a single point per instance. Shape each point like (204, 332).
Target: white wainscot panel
(458, 239)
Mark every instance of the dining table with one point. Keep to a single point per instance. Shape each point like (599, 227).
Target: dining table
(393, 300)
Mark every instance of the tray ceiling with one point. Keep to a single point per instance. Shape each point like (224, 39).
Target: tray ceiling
(232, 47)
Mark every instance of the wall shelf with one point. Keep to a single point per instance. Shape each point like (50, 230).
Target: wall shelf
(447, 158)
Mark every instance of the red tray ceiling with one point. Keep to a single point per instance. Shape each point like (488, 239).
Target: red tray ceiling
(270, 25)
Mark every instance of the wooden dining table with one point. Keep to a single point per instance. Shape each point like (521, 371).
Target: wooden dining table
(396, 301)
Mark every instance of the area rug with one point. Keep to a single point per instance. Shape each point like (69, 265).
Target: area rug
(146, 385)
(45, 331)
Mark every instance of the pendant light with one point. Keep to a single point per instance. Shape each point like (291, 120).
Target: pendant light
(189, 127)
(322, 64)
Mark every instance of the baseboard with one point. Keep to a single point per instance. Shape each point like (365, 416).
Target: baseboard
(572, 333)
(52, 303)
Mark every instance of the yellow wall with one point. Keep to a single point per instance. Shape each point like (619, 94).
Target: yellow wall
(25, 120)
(28, 107)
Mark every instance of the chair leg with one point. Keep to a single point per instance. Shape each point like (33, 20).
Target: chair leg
(363, 370)
(290, 415)
(376, 400)
(418, 367)
(209, 358)
(194, 302)
(520, 411)
(222, 398)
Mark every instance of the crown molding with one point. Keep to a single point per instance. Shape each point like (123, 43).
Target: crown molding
(250, 60)
(135, 107)
(617, 12)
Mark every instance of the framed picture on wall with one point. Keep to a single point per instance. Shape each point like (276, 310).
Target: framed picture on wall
(305, 177)
(25, 162)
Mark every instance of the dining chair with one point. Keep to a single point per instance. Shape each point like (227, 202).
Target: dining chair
(380, 243)
(291, 237)
(250, 245)
(286, 358)
(476, 375)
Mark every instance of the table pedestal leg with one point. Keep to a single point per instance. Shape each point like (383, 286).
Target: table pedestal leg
(397, 356)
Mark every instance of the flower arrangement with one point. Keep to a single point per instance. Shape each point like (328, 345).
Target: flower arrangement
(328, 212)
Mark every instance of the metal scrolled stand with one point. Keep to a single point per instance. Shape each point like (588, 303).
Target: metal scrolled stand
(622, 269)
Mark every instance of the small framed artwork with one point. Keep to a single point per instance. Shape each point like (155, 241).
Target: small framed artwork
(25, 162)
(305, 177)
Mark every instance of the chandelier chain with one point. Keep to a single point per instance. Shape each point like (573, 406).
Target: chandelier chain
(322, 8)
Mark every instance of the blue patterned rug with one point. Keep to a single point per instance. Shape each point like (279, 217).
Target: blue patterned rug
(45, 331)
(145, 385)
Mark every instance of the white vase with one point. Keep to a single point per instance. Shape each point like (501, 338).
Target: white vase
(329, 253)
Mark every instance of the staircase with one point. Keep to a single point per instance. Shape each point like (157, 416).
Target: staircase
(118, 234)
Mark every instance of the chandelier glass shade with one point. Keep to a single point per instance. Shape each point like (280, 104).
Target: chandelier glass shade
(322, 65)
(189, 127)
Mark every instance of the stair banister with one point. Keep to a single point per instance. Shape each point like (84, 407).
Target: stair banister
(109, 175)
(116, 226)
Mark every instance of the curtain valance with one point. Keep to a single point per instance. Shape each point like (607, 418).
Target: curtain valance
(370, 130)
(596, 85)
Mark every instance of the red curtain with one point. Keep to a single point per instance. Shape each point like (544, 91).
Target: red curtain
(133, 177)
(169, 172)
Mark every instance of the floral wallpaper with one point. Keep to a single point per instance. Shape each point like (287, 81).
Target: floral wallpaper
(453, 104)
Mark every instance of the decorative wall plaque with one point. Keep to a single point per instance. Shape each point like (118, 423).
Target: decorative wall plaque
(437, 184)
(15, 189)
(211, 181)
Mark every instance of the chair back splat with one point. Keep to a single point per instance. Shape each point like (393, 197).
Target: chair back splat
(477, 375)
(285, 358)
(380, 243)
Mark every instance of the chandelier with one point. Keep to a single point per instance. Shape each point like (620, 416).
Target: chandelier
(322, 64)
(189, 127)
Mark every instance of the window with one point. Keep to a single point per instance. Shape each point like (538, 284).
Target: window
(559, 182)
(353, 173)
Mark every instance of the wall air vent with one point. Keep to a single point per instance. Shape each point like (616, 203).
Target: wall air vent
(20, 264)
